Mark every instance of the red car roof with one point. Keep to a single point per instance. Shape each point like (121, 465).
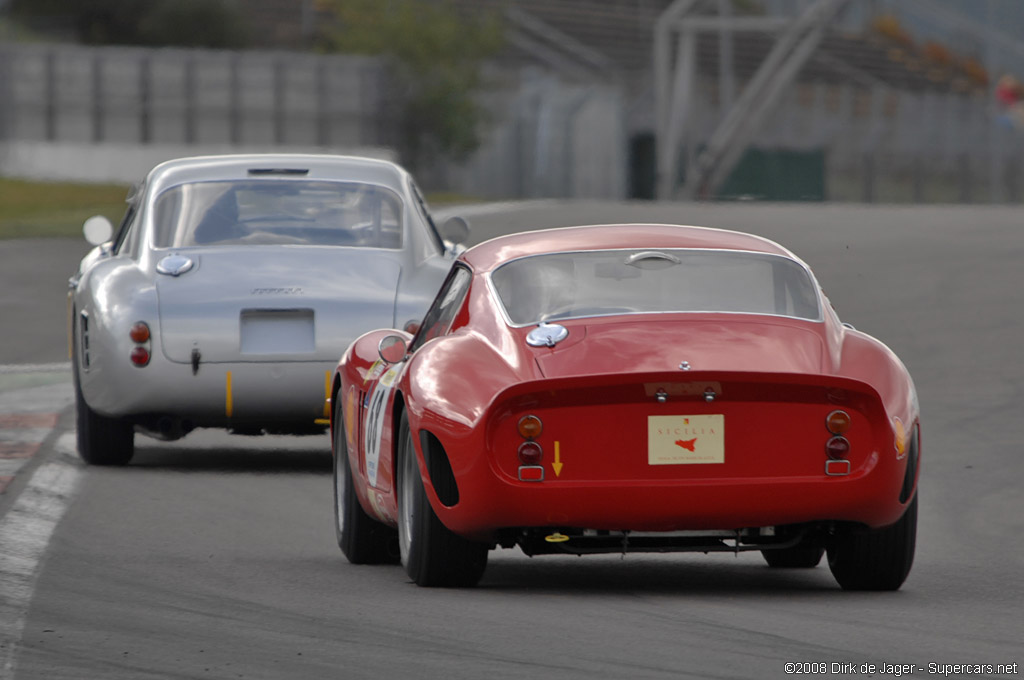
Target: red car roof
(492, 253)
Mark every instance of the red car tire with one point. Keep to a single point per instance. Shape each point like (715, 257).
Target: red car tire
(876, 559)
(362, 539)
(431, 554)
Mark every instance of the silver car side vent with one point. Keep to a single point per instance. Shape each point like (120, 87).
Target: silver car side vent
(83, 339)
(278, 171)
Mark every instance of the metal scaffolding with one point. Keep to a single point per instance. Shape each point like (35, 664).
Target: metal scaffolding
(674, 86)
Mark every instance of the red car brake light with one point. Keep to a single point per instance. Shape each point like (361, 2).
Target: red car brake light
(837, 447)
(530, 453)
(139, 356)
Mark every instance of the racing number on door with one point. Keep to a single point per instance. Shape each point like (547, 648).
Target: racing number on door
(375, 422)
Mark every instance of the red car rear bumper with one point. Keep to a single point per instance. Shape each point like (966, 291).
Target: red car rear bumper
(489, 502)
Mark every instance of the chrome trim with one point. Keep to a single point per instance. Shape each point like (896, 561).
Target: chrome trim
(175, 265)
(547, 335)
(393, 341)
(837, 468)
(653, 255)
(531, 467)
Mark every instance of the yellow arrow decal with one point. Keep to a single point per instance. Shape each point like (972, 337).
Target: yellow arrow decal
(229, 404)
(558, 461)
(327, 396)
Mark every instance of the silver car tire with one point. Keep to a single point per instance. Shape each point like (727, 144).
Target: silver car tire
(101, 440)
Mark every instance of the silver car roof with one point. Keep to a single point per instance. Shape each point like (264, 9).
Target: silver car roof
(253, 166)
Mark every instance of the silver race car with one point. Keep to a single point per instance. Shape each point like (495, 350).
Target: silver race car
(232, 286)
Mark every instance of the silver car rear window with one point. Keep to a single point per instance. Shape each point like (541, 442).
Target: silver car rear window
(608, 282)
(278, 212)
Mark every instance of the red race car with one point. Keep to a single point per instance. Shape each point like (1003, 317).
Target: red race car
(627, 388)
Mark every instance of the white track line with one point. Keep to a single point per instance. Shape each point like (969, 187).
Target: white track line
(24, 536)
(469, 210)
(34, 368)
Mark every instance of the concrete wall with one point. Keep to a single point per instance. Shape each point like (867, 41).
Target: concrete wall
(68, 93)
(124, 163)
(107, 114)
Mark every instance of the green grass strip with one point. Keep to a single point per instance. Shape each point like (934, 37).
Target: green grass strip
(30, 209)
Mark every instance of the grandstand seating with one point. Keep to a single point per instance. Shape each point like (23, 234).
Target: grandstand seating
(622, 32)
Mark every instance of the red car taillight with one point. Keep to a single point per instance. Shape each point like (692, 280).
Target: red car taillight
(530, 427)
(139, 356)
(530, 452)
(838, 422)
(837, 447)
(140, 335)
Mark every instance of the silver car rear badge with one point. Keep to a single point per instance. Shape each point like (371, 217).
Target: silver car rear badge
(684, 365)
(174, 265)
(547, 335)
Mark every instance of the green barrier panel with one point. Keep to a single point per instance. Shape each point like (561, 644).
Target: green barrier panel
(777, 175)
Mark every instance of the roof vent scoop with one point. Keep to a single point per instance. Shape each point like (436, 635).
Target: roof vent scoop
(278, 171)
(652, 259)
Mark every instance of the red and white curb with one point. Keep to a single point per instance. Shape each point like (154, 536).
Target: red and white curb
(21, 435)
(28, 413)
(27, 417)
(25, 532)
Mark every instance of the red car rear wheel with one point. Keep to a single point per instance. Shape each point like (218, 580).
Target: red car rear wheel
(431, 554)
(876, 559)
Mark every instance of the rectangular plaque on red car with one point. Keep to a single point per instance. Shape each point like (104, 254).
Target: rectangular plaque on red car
(686, 440)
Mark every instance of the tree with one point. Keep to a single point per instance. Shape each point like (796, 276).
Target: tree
(193, 23)
(436, 55)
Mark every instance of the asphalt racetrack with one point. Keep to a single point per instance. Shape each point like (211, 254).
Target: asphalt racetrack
(214, 557)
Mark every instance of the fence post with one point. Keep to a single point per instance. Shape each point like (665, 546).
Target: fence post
(145, 99)
(964, 175)
(235, 99)
(871, 142)
(868, 187)
(323, 130)
(279, 99)
(919, 139)
(50, 106)
(190, 99)
(96, 67)
(7, 103)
